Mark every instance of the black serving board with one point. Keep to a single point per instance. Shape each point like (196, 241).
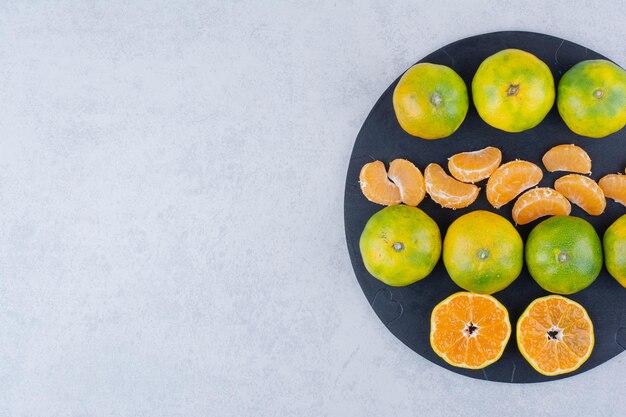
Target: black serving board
(405, 311)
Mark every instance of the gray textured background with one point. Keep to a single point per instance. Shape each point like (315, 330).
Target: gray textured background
(171, 180)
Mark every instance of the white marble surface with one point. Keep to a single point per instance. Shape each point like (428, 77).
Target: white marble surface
(171, 180)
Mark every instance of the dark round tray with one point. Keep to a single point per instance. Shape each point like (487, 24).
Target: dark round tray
(405, 311)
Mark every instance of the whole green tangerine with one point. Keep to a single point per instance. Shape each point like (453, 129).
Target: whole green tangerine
(430, 101)
(591, 98)
(400, 245)
(564, 254)
(483, 252)
(513, 90)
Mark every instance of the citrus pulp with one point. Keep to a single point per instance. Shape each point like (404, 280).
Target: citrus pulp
(555, 335)
(469, 330)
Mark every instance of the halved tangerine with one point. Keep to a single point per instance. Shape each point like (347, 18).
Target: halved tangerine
(409, 180)
(614, 187)
(582, 191)
(469, 330)
(570, 158)
(474, 166)
(375, 185)
(539, 202)
(446, 191)
(555, 335)
(510, 179)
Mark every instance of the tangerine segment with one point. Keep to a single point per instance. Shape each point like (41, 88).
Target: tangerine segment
(474, 166)
(375, 185)
(469, 330)
(446, 191)
(582, 191)
(409, 180)
(555, 335)
(539, 202)
(570, 158)
(614, 187)
(510, 179)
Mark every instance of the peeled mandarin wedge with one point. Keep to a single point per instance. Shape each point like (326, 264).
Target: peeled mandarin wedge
(510, 179)
(539, 202)
(474, 166)
(555, 335)
(409, 180)
(375, 185)
(446, 191)
(569, 158)
(614, 187)
(582, 191)
(469, 330)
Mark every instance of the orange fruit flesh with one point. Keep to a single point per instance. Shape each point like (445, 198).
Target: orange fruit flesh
(469, 330)
(446, 191)
(474, 166)
(510, 179)
(582, 191)
(614, 187)
(567, 158)
(375, 185)
(539, 202)
(555, 335)
(409, 180)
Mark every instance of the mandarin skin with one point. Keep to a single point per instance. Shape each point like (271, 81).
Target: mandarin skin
(400, 245)
(513, 90)
(483, 252)
(592, 98)
(564, 254)
(614, 244)
(430, 101)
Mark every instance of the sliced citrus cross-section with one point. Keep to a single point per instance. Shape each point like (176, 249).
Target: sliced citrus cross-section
(474, 166)
(469, 330)
(409, 180)
(555, 335)
(569, 158)
(375, 185)
(614, 187)
(582, 191)
(446, 191)
(510, 179)
(539, 202)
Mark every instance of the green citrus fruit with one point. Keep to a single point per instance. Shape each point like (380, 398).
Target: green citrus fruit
(614, 243)
(592, 98)
(483, 252)
(430, 101)
(513, 90)
(564, 254)
(400, 245)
